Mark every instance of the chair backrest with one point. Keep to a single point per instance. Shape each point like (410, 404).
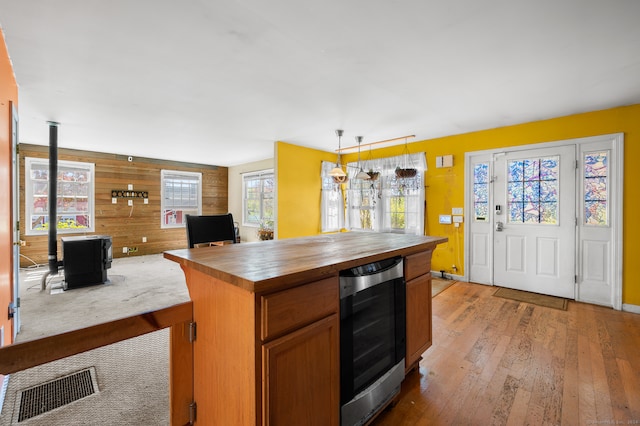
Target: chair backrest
(207, 229)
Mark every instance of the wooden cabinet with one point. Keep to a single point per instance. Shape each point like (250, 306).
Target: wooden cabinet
(270, 359)
(302, 375)
(417, 270)
(301, 370)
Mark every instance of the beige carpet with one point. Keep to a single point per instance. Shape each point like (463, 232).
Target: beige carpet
(133, 375)
(534, 298)
(439, 285)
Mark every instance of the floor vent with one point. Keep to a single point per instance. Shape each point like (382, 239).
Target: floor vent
(48, 396)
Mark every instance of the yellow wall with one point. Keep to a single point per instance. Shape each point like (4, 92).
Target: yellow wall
(298, 189)
(445, 186)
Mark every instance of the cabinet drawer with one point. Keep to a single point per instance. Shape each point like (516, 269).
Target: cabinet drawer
(293, 308)
(417, 264)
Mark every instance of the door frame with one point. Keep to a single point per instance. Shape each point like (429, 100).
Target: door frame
(15, 185)
(615, 208)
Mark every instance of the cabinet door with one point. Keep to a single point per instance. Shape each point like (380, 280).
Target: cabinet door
(418, 318)
(301, 376)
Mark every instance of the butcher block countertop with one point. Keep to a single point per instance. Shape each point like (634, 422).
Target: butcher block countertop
(267, 266)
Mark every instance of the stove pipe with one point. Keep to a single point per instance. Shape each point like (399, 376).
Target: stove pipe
(53, 198)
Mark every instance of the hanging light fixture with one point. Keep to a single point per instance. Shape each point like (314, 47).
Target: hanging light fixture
(337, 171)
(361, 174)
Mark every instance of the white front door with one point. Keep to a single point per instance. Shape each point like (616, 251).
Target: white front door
(547, 218)
(535, 220)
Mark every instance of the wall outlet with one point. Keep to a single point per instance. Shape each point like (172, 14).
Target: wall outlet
(114, 201)
(146, 201)
(130, 187)
(125, 250)
(144, 239)
(130, 203)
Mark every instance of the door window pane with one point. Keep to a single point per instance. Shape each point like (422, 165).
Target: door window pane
(533, 190)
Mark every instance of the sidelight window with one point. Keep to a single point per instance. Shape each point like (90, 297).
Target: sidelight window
(481, 192)
(596, 188)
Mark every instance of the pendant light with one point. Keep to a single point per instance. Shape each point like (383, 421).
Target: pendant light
(337, 171)
(361, 174)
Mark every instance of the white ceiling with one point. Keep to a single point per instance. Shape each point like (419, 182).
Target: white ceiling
(218, 81)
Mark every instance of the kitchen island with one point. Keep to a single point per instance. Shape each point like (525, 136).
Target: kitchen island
(266, 349)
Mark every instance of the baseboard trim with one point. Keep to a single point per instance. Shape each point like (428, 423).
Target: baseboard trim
(438, 274)
(631, 308)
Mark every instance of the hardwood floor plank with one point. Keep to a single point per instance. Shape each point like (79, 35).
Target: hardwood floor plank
(519, 408)
(500, 362)
(631, 386)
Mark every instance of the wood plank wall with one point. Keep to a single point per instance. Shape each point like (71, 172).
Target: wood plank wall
(124, 224)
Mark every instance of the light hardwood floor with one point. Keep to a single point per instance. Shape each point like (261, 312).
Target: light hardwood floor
(499, 362)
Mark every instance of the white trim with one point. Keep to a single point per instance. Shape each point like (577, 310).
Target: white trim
(618, 234)
(437, 274)
(174, 174)
(635, 309)
(29, 196)
(616, 208)
(252, 175)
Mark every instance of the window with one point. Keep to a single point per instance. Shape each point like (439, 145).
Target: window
(595, 188)
(75, 198)
(181, 195)
(332, 203)
(533, 190)
(481, 192)
(387, 203)
(258, 198)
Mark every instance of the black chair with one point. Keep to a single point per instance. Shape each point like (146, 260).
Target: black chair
(208, 229)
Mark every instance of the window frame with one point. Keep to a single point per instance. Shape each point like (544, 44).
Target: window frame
(373, 199)
(29, 196)
(262, 176)
(177, 174)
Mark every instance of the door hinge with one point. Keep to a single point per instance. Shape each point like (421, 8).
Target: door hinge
(575, 279)
(11, 310)
(192, 332)
(577, 164)
(193, 409)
